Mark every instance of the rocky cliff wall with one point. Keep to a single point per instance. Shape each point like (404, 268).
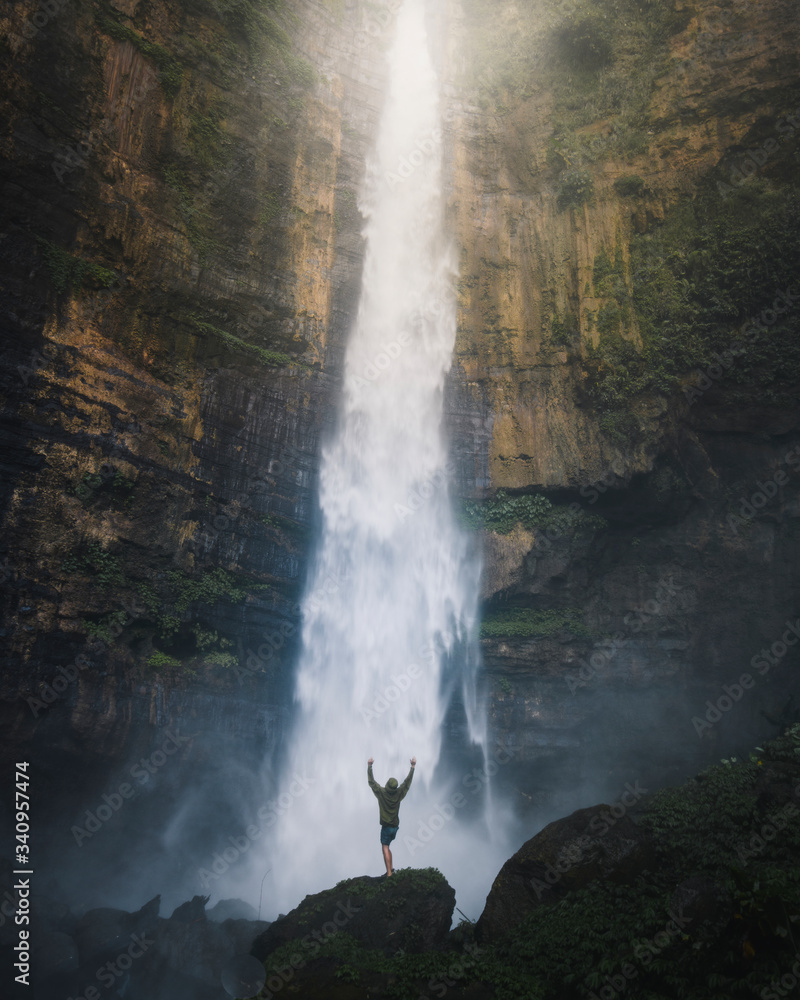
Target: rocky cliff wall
(181, 253)
(181, 250)
(623, 195)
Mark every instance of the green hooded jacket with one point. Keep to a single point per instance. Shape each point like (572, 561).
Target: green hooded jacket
(390, 797)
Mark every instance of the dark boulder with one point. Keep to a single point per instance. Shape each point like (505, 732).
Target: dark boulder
(232, 909)
(568, 854)
(103, 932)
(410, 912)
(191, 912)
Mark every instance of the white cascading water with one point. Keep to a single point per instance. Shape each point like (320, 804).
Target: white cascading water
(390, 611)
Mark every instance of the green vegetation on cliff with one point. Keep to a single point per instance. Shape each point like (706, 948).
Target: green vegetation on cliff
(256, 24)
(599, 58)
(69, 272)
(265, 356)
(173, 607)
(716, 276)
(529, 623)
(103, 568)
(504, 512)
(170, 71)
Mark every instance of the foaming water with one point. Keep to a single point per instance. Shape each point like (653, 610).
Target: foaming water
(389, 620)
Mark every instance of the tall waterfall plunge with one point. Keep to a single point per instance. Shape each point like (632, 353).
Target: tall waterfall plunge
(389, 616)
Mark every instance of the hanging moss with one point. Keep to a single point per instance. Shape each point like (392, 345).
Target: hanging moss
(107, 628)
(631, 186)
(574, 188)
(715, 266)
(608, 273)
(208, 144)
(103, 569)
(170, 71)
(609, 319)
(564, 331)
(68, 272)
(527, 623)
(265, 356)
(162, 661)
(503, 512)
(583, 43)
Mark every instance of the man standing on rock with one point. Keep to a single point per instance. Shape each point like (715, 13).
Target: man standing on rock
(389, 799)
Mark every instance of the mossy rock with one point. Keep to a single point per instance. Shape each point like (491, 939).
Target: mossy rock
(590, 845)
(411, 911)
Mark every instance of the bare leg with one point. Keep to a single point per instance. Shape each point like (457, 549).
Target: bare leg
(387, 858)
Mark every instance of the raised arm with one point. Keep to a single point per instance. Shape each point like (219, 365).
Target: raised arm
(407, 783)
(373, 784)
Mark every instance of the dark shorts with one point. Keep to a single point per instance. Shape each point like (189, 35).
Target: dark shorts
(388, 833)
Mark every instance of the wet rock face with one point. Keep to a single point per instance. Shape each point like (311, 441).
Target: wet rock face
(534, 292)
(539, 331)
(674, 602)
(182, 256)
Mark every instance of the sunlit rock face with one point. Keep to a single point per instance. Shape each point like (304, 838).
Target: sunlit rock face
(599, 144)
(182, 259)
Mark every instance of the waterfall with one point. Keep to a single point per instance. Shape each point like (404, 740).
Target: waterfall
(388, 635)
